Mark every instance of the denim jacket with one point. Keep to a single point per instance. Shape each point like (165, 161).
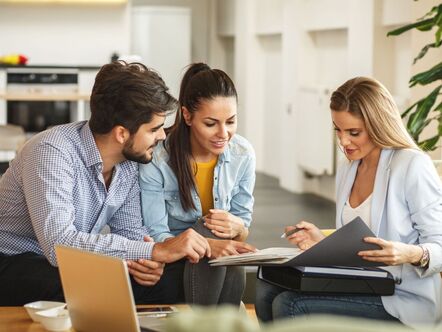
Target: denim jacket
(233, 184)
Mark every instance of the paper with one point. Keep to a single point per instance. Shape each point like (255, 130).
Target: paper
(338, 249)
(269, 255)
(338, 270)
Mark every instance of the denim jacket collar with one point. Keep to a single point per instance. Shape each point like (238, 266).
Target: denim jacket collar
(225, 156)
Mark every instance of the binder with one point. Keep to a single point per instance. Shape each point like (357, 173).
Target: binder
(295, 279)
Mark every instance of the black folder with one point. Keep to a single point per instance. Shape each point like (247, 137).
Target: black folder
(340, 248)
(293, 278)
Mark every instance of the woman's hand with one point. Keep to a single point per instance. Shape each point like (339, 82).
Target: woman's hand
(225, 225)
(221, 248)
(391, 252)
(307, 237)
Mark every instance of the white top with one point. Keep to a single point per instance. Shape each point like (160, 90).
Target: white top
(363, 211)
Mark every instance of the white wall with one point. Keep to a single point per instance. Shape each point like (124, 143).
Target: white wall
(64, 34)
(271, 100)
(200, 22)
(323, 43)
(166, 50)
(85, 34)
(309, 43)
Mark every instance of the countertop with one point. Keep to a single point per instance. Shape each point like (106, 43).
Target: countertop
(44, 96)
(81, 67)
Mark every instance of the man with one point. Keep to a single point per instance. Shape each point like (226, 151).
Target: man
(68, 182)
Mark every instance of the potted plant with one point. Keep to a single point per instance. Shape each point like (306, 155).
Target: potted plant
(428, 109)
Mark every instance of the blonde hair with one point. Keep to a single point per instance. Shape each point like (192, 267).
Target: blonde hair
(368, 99)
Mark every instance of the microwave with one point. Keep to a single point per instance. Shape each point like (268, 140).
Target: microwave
(40, 98)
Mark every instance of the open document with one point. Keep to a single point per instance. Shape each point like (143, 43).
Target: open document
(269, 255)
(338, 249)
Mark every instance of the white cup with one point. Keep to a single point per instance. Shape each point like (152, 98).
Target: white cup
(55, 319)
(33, 307)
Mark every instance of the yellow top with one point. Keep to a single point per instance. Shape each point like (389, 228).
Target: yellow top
(204, 184)
(327, 232)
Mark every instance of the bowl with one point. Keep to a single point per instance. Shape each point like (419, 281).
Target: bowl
(33, 307)
(55, 319)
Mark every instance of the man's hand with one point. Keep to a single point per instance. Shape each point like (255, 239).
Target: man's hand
(225, 225)
(145, 272)
(188, 244)
(228, 247)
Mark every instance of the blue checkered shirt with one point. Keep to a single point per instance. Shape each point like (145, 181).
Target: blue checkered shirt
(54, 193)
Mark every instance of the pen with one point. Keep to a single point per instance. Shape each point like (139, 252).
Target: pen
(290, 232)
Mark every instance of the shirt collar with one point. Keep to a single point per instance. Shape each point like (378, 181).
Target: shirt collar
(226, 155)
(91, 151)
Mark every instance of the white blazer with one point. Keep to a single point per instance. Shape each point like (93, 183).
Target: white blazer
(406, 207)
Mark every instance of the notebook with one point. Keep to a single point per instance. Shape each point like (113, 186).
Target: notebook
(98, 293)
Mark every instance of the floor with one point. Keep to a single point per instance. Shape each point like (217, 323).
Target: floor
(276, 208)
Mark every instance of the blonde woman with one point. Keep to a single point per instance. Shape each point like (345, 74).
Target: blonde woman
(394, 188)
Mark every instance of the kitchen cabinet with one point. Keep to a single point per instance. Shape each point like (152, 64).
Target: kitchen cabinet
(79, 2)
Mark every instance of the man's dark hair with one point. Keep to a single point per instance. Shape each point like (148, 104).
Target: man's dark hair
(127, 95)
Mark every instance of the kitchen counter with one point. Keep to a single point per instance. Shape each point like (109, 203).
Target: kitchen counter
(81, 67)
(44, 97)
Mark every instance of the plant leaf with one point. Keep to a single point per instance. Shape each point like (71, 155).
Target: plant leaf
(428, 76)
(424, 51)
(429, 144)
(416, 121)
(439, 127)
(419, 113)
(419, 24)
(426, 27)
(438, 35)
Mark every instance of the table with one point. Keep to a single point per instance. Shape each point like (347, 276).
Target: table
(16, 319)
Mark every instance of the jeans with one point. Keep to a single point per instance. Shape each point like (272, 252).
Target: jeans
(29, 277)
(210, 285)
(274, 302)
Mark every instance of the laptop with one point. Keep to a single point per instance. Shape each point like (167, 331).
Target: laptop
(98, 293)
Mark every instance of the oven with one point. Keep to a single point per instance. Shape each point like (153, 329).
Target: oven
(39, 98)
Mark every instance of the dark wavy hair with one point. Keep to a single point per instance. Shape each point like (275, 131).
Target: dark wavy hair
(127, 95)
(200, 83)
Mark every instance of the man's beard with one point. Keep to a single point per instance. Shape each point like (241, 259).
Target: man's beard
(130, 154)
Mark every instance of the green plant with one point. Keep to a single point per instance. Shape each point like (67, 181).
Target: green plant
(425, 110)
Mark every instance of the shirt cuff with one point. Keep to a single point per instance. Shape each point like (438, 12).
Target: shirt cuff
(164, 236)
(139, 249)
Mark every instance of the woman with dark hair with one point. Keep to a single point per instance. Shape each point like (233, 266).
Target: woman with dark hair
(202, 177)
